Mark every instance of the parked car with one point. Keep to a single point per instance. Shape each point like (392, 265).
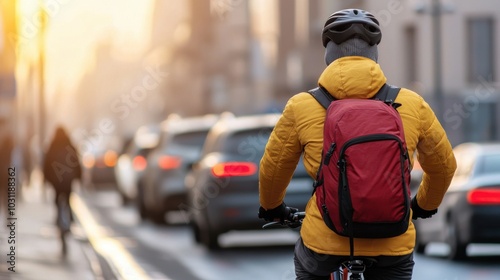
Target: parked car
(162, 186)
(223, 187)
(132, 162)
(470, 210)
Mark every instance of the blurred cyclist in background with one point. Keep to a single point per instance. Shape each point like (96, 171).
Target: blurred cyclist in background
(61, 165)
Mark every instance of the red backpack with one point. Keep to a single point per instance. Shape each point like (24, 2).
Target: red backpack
(362, 186)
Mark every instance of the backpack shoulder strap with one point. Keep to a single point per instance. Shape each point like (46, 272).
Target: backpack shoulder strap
(388, 94)
(322, 96)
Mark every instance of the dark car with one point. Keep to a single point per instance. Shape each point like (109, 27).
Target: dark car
(99, 162)
(162, 186)
(470, 211)
(132, 162)
(223, 187)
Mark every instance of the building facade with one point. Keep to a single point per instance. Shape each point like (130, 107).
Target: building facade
(447, 51)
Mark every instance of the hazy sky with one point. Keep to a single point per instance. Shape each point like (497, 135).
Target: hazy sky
(77, 27)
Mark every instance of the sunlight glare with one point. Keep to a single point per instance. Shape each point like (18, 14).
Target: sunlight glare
(79, 29)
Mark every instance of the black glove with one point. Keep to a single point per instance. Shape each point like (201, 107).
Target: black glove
(279, 213)
(419, 212)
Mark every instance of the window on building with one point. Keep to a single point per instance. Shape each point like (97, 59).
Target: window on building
(480, 40)
(411, 54)
(481, 125)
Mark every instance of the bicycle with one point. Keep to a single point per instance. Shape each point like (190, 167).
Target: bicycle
(63, 220)
(351, 269)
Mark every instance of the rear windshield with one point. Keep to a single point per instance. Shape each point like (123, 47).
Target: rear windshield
(192, 140)
(489, 164)
(251, 145)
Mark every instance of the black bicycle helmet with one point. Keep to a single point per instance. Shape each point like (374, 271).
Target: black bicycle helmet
(349, 23)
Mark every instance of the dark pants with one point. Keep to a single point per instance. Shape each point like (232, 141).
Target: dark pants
(65, 196)
(313, 266)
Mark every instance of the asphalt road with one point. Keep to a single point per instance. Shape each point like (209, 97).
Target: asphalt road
(142, 250)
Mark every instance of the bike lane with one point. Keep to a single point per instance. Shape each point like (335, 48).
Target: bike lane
(128, 257)
(30, 248)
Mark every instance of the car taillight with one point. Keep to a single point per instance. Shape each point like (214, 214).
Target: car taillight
(139, 163)
(88, 161)
(230, 169)
(110, 158)
(169, 162)
(486, 196)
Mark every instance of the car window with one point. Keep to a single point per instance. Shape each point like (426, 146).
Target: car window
(127, 145)
(489, 164)
(194, 139)
(250, 143)
(212, 141)
(132, 149)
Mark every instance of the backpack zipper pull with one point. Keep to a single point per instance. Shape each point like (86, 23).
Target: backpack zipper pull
(329, 154)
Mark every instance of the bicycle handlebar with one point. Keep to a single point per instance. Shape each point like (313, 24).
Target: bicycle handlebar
(292, 220)
(354, 266)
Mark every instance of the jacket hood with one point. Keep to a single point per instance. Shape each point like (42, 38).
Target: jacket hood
(352, 77)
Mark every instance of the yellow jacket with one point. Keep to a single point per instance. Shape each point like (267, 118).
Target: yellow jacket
(300, 131)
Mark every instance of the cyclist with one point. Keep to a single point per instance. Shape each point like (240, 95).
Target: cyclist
(61, 166)
(350, 38)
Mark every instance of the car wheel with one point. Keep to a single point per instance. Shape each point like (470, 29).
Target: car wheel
(124, 199)
(208, 236)
(141, 206)
(420, 245)
(458, 249)
(158, 217)
(196, 232)
(211, 240)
